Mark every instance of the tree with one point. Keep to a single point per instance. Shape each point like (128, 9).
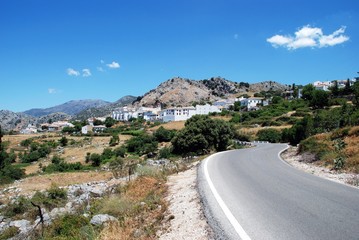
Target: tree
(347, 88)
(356, 94)
(163, 135)
(7, 172)
(97, 122)
(335, 89)
(63, 141)
(109, 122)
(270, 134)
(115, 139)
(320, 99)
(307, 92)
(95, 159)
(201, 133)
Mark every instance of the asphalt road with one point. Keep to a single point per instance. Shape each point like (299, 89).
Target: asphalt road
(265, 198)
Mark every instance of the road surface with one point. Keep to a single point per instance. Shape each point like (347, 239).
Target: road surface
(252, 194)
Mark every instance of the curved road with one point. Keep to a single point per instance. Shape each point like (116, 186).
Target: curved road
(269, 199)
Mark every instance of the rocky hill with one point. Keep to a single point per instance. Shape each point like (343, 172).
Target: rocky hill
(71, 107)
(15, 121)
(182, 92)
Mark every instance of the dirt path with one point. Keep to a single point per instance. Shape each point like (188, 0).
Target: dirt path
(185, 219)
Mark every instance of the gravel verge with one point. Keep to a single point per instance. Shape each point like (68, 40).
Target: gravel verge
(184, 218)
(297, 161)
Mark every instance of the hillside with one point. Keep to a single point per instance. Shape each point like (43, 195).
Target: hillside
(14, 121)
(181, 91)
(71, 107)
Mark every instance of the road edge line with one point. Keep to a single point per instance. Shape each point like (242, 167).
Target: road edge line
(235, 224)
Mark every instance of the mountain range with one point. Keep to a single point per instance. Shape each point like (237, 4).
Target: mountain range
(173, 92)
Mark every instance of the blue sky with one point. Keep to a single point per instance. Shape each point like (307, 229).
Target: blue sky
(56, 51)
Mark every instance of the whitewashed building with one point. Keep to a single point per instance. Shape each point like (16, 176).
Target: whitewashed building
(185, 113)
(206, 109)
(177, 114)
(251, 103)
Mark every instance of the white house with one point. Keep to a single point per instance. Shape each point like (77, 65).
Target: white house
(29, 129)
(177, 114)
(185, 113)
(86, 129)
(206, 109)
(91, 128)
(123, 114)
(251, 103)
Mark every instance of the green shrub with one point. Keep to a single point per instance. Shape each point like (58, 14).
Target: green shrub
(119, 207)
(9, 233)
(270, 134)
(165, 152)
(69, 227)
(19, 207)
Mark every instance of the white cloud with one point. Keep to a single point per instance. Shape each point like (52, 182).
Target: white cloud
(113, 65)
(102, 61)
(334, 38)
(72, 72)
(279, 40)
(52, 91)
(309, 36)
(86, 72)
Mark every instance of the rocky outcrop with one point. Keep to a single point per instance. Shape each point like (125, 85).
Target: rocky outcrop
(268, 86)
(78, 195)
(15, 121)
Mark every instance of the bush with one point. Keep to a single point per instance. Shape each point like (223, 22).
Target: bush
(9, 233)
(270, 134)
(19, 207)
(95, 159)
(143, 144)
(163, 135)
(59, 165)
(165, 152)
(69, 227)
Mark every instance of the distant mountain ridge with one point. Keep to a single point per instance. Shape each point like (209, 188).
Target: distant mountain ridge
(105, 110)
(71, 108)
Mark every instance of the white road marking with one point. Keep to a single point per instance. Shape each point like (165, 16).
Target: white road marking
(237, 227)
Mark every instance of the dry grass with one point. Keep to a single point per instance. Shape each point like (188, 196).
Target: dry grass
(141, 208)
(114, 231)
(178, 125)
(253, 131)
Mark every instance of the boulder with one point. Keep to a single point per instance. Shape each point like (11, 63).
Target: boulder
(100, 219)
(23, 225)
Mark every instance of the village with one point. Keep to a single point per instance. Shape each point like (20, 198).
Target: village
(179, 113)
